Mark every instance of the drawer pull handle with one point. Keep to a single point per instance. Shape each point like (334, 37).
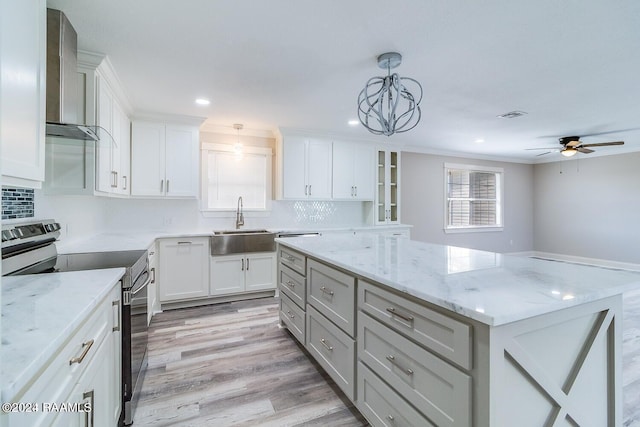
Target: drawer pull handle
(86, 346)
(116, 304)
(290, 283)
(400, 315)
(290, 314)
(395, 362)
(290, 258)
(88, 418)
(326, 291)
(327, 346)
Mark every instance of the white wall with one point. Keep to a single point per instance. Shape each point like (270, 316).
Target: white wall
(589, 207)
(423, 204)
(79, 216)
(169, 215)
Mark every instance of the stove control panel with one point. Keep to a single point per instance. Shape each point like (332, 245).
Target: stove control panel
(18, 232)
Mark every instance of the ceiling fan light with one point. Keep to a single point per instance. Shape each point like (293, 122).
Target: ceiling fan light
(568, 152)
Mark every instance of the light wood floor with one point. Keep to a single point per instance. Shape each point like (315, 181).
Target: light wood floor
(230, 365)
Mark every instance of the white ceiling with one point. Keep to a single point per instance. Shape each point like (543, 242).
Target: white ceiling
(572, 65)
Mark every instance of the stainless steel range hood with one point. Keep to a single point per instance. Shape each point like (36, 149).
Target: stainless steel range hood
(62, 81)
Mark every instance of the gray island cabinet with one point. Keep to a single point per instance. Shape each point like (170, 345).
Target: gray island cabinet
(417, 334)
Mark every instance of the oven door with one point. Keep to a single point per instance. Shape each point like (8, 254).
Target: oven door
(134, 343)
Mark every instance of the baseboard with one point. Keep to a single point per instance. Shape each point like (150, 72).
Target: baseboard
(217, 300)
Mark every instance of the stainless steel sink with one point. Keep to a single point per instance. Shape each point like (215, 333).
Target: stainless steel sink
(242, 241)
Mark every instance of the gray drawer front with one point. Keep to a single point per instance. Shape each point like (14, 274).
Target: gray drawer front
(333, 349)
(332, 293)
(294, 318)
(382, 406)
(441, 334)
(292, 259)
(440, 391)
(293, 285)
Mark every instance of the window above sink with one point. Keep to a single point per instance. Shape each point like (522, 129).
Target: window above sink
(227, 176)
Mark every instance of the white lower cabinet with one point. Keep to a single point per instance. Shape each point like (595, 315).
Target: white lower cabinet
(153, 304)
(85, 375)
(184, 268)
(92, 393)
(242, 273)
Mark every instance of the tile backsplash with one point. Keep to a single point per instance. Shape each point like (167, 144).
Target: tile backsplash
(17, 203)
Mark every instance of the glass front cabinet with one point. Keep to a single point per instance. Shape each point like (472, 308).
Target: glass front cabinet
(387, 207)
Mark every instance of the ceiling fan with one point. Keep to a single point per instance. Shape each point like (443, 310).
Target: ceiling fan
(571, 145)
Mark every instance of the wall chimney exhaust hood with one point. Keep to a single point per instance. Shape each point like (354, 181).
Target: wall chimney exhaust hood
(62, 81)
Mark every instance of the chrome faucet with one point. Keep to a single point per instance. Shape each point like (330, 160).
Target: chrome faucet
(239, 215)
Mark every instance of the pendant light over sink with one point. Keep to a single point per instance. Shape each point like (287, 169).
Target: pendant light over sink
(237, 148)
(385, 105)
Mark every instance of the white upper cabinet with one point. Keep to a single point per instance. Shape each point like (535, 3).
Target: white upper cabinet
(353, 171)
(113, 149)
(22, 85)
(181, 164)
(387, 203)
(164, 160)
(87, 167)
(123, 157)
(307, 164)
(104, 171)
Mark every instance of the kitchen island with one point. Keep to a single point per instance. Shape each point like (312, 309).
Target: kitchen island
(442, 335)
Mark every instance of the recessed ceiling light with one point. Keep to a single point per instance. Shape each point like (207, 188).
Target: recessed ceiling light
(202, 101)
(353, 122)
(512, 114)
(479, 141)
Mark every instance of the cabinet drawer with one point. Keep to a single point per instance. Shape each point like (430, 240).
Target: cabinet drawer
(382, 406)
(333, 349)
(332, 293)
(292, 259)
(293, 317)
(439, 390)
(441, 334)
(293, 285)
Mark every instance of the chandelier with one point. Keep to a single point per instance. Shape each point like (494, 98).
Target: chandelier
(385, 105)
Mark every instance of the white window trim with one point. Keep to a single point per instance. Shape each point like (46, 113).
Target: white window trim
(473, 228)
(229, 213)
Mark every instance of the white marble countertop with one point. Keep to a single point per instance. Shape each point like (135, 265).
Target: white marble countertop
(141, 240)
(39, 313)
(491, 288)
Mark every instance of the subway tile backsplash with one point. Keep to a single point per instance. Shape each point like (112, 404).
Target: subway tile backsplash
(17, 203)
